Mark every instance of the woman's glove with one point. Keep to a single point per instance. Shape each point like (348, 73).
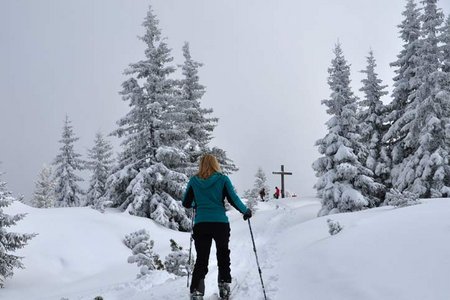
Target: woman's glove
(247, 215)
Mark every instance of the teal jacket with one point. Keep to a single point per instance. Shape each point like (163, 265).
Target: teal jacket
(207, 197)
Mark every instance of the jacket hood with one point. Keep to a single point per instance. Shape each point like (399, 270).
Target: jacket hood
(208, 182)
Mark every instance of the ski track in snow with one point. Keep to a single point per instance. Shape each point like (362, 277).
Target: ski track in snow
(267, 221)
(244, 267)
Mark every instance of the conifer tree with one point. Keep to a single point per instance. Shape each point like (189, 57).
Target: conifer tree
(260, 183)
(147, 181)
(344, 184)
(372, 125)
(44, 193)
(67, 162)
(405, 83)
(445, 39)
(226, 163)
(99, 162)
(426, 170)
(195, 119)
(9, 241)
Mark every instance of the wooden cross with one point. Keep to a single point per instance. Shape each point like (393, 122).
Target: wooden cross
(282, 173)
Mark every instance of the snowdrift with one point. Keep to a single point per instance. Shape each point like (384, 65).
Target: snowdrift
(383, 253)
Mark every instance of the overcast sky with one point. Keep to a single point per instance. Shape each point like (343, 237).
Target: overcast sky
(265, 69)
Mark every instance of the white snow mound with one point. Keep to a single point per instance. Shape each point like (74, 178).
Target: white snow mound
(382, 253)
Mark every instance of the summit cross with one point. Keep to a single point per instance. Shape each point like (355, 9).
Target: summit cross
(282, 173)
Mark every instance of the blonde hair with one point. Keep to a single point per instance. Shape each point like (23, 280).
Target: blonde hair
(208, 166)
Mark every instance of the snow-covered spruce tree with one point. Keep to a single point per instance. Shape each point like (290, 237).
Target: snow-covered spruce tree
(426, 171)
(260, 183)
(445, 39)
(190, 115)
(9, 241)
(67, 162)
(142, 247)
(99, 162)
(344, 184)
(406, 82)
(146, 182)
(372, 127)
(195, 120)
(226, 163)
(44, 192)
(177, 262)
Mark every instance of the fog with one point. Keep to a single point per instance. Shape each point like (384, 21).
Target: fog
(265, 69)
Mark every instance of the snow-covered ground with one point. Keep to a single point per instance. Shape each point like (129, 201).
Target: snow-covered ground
(382, 253)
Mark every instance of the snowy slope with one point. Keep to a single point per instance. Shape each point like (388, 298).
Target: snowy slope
(382, 253)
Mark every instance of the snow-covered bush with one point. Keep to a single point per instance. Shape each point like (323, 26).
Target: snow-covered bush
(142, 247)
(177, 262)
(251, 203)
(247, 194)
(401, 199)
(101, 204)
(333, 227)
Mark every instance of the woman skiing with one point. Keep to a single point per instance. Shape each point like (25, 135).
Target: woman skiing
(205, 193)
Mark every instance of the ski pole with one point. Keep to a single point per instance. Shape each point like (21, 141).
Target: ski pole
(190, 247)
(257, 261)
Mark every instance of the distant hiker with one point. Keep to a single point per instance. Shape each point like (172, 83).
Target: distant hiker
(277, 193)
(206, 193)
(262, 194)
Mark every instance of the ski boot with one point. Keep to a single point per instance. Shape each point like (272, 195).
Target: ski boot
(224, 290)
(196, 295)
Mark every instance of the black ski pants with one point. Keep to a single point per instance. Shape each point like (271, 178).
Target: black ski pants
(204, 233)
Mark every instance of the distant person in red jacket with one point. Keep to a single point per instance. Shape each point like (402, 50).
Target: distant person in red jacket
(277, 193)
